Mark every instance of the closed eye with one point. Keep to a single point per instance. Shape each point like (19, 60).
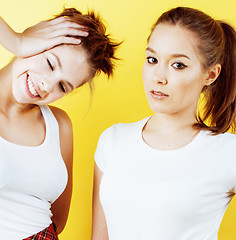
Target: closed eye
(179, 65)
(62, 87)
(152, 60)
(49, 64)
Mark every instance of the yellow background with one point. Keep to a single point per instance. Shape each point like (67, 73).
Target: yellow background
(121, 99)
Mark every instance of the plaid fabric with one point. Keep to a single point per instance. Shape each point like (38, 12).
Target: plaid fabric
(48, 233)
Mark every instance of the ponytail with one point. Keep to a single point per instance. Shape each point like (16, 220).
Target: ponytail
(220, 107)
(216, 45)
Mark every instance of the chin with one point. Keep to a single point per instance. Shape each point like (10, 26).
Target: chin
(17, 97)
(20, 99)
(162, 110)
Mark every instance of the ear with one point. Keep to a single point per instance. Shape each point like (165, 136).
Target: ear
(212, 74)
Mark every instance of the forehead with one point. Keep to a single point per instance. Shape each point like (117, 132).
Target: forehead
(173, 39)
(73, 61)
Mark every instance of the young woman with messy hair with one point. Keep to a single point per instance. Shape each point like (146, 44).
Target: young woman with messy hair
(52, 59)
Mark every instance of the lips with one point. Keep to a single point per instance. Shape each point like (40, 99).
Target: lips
(159, 93)
(31, 87)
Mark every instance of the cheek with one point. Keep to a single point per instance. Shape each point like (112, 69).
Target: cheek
(185, 85)
(34, 64)
(39, 66)
(190, 81)
(146, 74)
(188, 90)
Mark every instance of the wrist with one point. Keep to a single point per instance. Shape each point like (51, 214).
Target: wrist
(16, 48)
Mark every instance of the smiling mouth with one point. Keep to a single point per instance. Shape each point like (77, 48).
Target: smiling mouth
(31, 87)
(159, 93)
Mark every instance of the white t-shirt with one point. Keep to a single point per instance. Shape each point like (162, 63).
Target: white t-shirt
(31, 178)
(150, 194)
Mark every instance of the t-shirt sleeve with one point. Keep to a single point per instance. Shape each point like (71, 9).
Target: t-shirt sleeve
(103, 149)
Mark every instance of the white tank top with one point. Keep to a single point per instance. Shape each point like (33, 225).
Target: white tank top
(31, 178)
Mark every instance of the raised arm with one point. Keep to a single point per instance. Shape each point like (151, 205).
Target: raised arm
(40, 37)
(99, 226)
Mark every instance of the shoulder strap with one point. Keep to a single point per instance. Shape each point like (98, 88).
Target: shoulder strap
(52, 127)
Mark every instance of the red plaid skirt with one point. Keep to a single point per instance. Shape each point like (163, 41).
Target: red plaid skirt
(48, 233)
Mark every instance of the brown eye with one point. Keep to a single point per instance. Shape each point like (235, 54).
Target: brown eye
(152, 60)
(179, 65)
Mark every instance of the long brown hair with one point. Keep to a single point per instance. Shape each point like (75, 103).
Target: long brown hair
(217, 45)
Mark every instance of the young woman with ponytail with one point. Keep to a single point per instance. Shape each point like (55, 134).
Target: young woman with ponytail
(172, 175)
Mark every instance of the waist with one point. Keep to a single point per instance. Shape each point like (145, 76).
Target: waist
(47, 233)
(23, 216)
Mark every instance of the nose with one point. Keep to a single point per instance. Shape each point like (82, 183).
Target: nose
(45, 85)
(162, 81)
(160, 75)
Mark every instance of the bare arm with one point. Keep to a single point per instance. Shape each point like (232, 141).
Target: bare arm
(99, 227)
(60, 208)
(7, 36)
(40, 37)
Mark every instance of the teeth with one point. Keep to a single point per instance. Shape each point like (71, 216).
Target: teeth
(158, 93)
(31, 88)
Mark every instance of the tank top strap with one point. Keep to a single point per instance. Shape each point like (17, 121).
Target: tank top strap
(52, 128)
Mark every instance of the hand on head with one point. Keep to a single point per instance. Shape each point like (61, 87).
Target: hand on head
(46, 35)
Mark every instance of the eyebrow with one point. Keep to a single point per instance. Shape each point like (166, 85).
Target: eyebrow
(175, 55)
(60, 66)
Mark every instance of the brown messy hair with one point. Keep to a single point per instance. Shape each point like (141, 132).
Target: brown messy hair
(216, 45)
(98, 45)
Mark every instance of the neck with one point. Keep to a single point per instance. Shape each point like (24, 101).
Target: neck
(168, 132)
(171, 123)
